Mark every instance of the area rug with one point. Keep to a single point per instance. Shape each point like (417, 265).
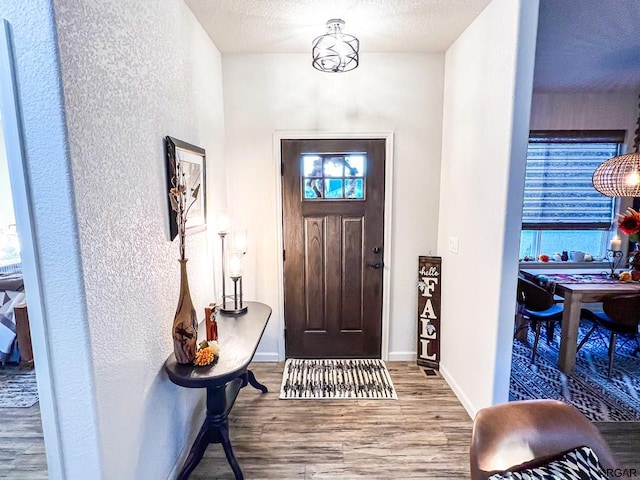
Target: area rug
(336, 379)
(18, 387)
(587, 387)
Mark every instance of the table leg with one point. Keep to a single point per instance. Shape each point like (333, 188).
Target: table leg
(215, 428)
(250, 378)
(570, 325)
(228, 451)
(196, 453)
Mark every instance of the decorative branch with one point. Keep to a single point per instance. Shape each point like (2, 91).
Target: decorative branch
(182, 199)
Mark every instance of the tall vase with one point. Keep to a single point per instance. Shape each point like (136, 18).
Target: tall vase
(185, 323)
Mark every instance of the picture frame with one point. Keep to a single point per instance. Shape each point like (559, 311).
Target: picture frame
(193, 161)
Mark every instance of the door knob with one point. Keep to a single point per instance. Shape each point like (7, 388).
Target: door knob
(375, 265)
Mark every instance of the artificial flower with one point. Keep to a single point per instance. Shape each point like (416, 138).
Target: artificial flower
(204, 356)
(630, 224)
(214, 346)
(206, 353)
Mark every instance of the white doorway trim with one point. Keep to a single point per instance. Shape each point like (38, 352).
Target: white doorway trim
(388, 221)
(30, 263)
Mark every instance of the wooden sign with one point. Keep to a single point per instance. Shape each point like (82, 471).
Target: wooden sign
(429, 298)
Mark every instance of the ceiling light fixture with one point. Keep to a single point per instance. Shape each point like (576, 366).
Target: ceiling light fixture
(620, 175)
(335, 51)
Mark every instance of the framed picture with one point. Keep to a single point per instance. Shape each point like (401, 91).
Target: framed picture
(188, 161)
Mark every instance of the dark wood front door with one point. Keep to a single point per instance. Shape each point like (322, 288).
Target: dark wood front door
(333, 224)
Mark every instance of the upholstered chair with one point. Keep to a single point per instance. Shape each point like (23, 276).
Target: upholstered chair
(532, 432)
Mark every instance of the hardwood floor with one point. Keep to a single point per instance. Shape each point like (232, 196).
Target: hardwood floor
(624, 440)
(425, 434)
(22, 454)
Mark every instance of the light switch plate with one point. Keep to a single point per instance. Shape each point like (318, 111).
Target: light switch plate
(453, 244)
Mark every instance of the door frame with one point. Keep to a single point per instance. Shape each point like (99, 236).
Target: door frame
(388, 221)
(14, 146)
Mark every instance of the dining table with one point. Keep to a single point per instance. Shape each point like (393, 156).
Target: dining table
(576, 290)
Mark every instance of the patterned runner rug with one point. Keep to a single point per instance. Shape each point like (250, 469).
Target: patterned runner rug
(18, 387)
(336, 379)
(587, 388)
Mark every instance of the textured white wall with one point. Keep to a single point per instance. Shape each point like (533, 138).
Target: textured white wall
(401, 93)
(55, 294)
(133, 72)
(488, 81)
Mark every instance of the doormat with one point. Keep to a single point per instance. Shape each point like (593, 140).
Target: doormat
(336, 379)
(587, 388)
(18, 387)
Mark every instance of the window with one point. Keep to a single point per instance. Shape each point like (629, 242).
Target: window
(561, 209)
(333, 177)
(9, 244)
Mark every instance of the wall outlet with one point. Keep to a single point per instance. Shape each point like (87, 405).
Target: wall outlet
(453, 244)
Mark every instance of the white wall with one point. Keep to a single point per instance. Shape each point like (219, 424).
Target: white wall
(488, 81)
(585, 111)
(132, 73)
(52, 271)
(401, 93)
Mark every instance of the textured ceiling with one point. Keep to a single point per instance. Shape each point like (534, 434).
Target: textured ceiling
(583, 45)
(279, 26)
(591, 47)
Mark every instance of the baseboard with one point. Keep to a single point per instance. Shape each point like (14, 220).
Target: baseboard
(464, 400)
(402, 356)
(266, 357)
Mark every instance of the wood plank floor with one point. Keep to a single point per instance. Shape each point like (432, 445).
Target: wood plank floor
(22, 454)
(425, 434)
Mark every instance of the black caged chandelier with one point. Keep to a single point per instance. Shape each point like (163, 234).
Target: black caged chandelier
(335, 51)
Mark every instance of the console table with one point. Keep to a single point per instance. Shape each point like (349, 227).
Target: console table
(238, 336)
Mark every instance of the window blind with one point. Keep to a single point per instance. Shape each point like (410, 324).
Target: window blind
(558, 191)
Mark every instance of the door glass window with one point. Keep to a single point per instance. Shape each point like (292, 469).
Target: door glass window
(333, 177)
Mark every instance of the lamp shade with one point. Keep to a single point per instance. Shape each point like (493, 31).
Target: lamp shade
(335, 51)
(619, 176)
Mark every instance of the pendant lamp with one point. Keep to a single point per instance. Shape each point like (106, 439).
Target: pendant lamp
(335, 51)
(620, 176)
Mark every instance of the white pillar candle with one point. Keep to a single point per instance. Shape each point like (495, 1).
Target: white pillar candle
(616, 244)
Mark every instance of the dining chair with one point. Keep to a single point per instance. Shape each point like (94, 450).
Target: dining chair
(538, 306)
(620, 315)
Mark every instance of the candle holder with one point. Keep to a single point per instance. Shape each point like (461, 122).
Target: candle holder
(238, 306)
(236, 277)
(614, 257)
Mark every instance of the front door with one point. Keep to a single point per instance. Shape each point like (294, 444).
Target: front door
(333, 226)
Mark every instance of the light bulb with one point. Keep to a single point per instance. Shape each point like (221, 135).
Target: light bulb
(235, 266)
(240, 241)
(632, 179)
(223, 222)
